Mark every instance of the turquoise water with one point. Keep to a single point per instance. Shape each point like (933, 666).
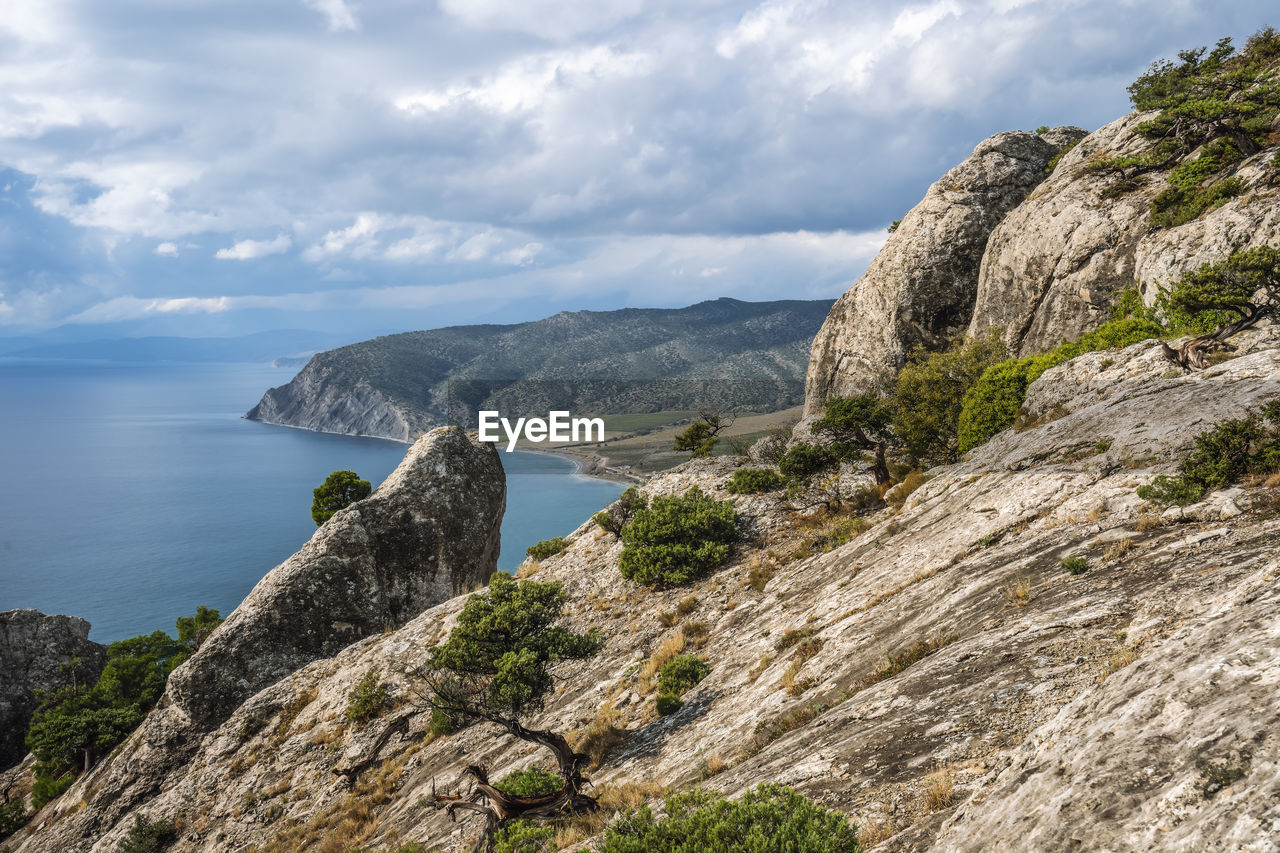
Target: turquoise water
(131, 493)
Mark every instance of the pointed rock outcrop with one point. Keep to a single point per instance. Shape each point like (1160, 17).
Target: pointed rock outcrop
(920, 289)
(39, 652)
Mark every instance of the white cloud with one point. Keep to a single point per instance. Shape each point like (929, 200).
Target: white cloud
(248, 250)
(168, 250)
(420, 239)
(550, 19)
(337, 14)
(530, 82)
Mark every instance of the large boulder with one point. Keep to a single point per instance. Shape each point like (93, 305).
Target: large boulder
(39, 652)
(920, 289)
(429, 533)
(1055, 265)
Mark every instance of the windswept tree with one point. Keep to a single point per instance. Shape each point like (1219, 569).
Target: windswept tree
(863, 422)
(1234, 295)
(497, 667)
(338, 491)
(702, 436)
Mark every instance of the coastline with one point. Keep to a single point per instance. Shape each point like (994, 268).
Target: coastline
(587, 465)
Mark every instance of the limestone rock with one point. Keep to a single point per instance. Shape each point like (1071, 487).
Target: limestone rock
(428, 533)
(1053, 267)
(920, 288)
(39, 652)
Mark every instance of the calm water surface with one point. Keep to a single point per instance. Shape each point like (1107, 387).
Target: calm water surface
(132, 493)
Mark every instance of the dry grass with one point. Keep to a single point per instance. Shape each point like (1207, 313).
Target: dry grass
(808, 649)
(1118, 549)
(290, 711)
(528, 569)
(600, 736)
(759, 575)
(759, 668)
(873, 832)
(344, 824)
(1096, 514)
(695, 632)
(896, 662)
(712, 765)
(648, 673)
(1117, 661)
(1147, 522)
(1017, 593)
(903, 490)
(626, 796)
(939, 790)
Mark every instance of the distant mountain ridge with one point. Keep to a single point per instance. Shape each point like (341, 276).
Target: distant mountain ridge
(269, 346)
(723, 352)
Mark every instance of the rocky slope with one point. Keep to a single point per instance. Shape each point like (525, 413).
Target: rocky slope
(724, 352)
(997, 244)
(39, 652)
(1100, 711)
(429, 533)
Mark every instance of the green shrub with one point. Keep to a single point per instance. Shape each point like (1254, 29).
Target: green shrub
(1178, 206)
(1219, 105)
(750, 481)
(677, 539)
(619, 514)
(338, 491)
(681, 673)
(194, 630)
(1221, 456)
(524, 836)
(1075, 565)
(13, 816)
(546, 548)
(443, 724)
(149, 836)
(803, 460)
(668, 703)
(993, 403)
(48, 786)
(368, 698)
(929, 395)
(530, 782)
(770, 819)
(1057, 158)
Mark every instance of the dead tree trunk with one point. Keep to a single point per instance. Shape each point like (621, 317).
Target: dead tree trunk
(1191, 354)
(498, 808)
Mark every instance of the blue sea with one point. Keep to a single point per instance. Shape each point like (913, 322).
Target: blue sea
(133, 492)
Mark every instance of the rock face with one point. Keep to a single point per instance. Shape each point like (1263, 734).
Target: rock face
(1093, 711)
(920, 289)
(996, 245)
(39, 652)
(311, 401)
(1054, 265)
(428, 533)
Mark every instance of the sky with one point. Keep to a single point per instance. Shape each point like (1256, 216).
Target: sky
(215, 167)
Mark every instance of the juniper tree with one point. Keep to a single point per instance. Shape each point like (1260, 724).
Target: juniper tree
(496, 667)
(1234, 295)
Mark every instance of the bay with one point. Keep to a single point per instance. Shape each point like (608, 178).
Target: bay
(130, 493)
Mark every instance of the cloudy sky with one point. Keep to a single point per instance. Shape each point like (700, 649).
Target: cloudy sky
(362, 166)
